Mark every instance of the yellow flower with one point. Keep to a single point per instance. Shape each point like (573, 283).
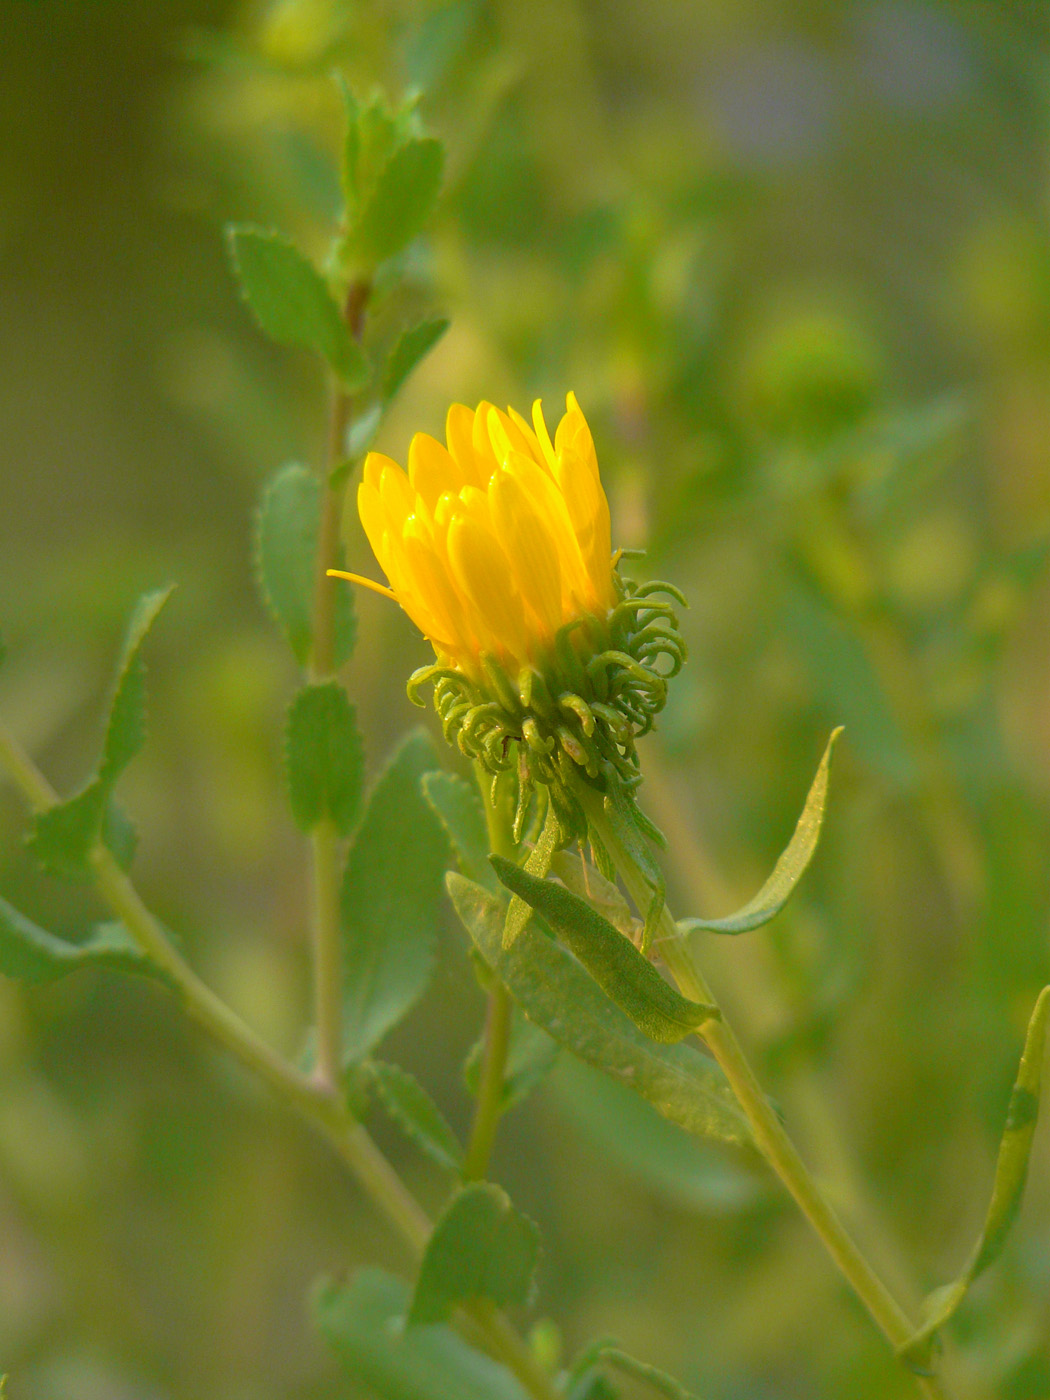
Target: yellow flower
(495, 541)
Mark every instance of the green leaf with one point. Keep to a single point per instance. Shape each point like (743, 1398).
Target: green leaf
(622, 972)
(1011, 1170)
(530, 1058)
(557, 994)
(291, 302)
(324, 758)
(590, 884)
(411, 347)
(286, 551)
(31, 954)
(126, 730)
(400, 201)
(390, 899)
(416, 1113)
(363, 1323)
(64, 835)
(457, 805)
(609, 1354)
(788, 870)
(537, 864)
(481, 1249)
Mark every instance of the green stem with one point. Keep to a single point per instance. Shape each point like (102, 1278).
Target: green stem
(328, 952)
(770, 1135)
(490, 1090)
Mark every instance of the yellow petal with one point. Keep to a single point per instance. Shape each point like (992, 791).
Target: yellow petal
(530, 547)
(547, 500)
(373, 518)
(432, 469)
(374, 464)
(482, 572)
(543, 436)
(459, 431)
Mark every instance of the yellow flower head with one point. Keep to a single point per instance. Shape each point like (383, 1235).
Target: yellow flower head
(495, 541)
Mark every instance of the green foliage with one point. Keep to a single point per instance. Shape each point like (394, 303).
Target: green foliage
(530, 1058)
(286, 555)
(363, 1323)
(622, 972)
(457, 805)
(324, 758)
(291, 301)
(411, 347)
(788, 870)
(561, 997)
(416, 1113)
(482, 1249)
(590, 884)
(391, 898)
(64, 835)
(609, 1354)
(1011, 1171)
(31, 954)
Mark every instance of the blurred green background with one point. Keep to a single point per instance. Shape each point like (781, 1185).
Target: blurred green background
(794, 258)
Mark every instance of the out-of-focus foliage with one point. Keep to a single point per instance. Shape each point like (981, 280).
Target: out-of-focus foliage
(795, 261)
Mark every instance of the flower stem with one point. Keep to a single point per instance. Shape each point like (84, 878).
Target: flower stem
(770, 1135)
(490, 1090)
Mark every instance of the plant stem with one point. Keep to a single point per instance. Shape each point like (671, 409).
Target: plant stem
(489, 1108)
(328, 952)
(770, 1135)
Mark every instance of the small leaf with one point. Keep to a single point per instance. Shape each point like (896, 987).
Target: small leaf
(410, 349)
(31, 954)
(64, 835)
(390, 899)
(557, 994)
(1011, 1170)
(401, 200)
(363, 1323)
(481, 1249)
(324, 758)
(613, 961)
(288, 523)
(457, 805)
(126, 730)
(788, 870)
(291, 302)
(416, 1113)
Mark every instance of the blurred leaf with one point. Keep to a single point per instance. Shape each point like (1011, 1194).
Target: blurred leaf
(410, 349)
(400, 202)
(416, 1113)
(788, 870)
(530, 1058)
(457, 805)
(126, 730)
(363, 1323)
(658, 1381)
(324, 758)
(481, 1249)
(64, 835)
(561, 997)
(610, 957)
(286, 552)
(291, 302)
(390, 900)
(31, 954)
(1011, 1170)
(373, 131)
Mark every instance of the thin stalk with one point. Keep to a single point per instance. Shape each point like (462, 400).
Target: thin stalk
(770, 1135)
(489, 1108)
(328, 952)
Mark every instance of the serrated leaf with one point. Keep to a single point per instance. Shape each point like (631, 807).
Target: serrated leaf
(126, 729)
(457, 806)
(288, 523)
(416, 1113)
(390, 899)
(324, 758)
(291, 302)
(400, 201)
(788, 870)
(1011, 1171)
(31, 954)
(363, 1323)
(481, 1249)
(530, 1058)
(622, 972)
(557, 994)
(410, 349)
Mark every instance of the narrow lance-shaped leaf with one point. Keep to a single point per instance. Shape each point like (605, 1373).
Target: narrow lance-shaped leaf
(416, 1113)
(457, 806)
(390, 899)
(291, 302)
(324, 758)
(363, 1323)
(31, 954)
(1010, 1172)
(126, 729)
(537, 864)
(481, 1249)
(621, 971)
(411, 347)
(286, 554)
(788, 870)
(558, 995)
